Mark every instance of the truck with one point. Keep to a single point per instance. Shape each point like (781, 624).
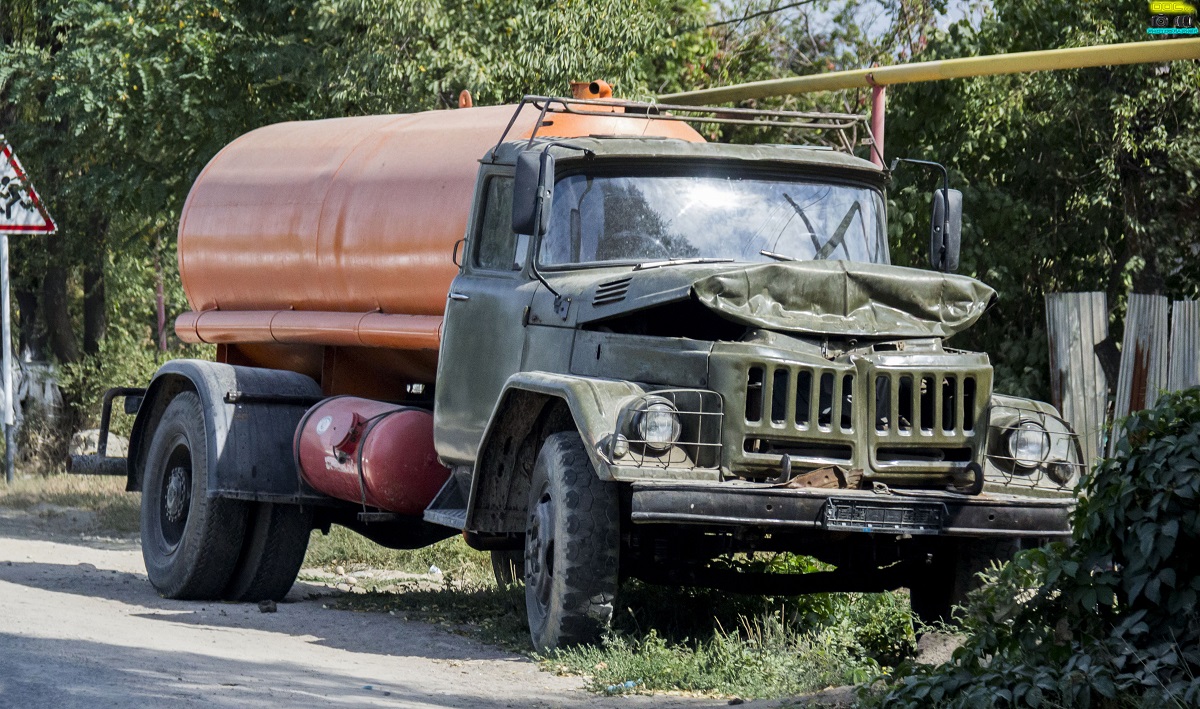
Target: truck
(594, 343)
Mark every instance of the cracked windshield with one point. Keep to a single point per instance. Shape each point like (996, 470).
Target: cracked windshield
(652, 218)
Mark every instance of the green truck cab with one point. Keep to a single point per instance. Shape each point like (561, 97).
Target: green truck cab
(679, 350)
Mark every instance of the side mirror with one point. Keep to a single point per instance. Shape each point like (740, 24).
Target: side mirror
(532, 188)
(945, 233)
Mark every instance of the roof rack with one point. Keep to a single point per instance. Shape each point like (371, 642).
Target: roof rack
(845, 126)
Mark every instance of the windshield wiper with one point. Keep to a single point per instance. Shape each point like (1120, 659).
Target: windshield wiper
(778, 257)
(678, 262)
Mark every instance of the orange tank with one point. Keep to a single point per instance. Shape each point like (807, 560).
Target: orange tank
(340, 232)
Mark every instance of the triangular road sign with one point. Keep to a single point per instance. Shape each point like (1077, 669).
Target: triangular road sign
(21, 210)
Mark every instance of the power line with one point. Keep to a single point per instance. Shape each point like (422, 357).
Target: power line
(753, 15)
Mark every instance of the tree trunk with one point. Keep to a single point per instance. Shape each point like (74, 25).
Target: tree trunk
(60, 332)
(31, 337)
(95, 316)
(95, 308)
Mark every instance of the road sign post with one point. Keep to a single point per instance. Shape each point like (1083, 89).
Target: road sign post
(21, 212)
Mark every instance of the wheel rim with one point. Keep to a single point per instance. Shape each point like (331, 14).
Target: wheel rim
(174, 501)
(539, 551)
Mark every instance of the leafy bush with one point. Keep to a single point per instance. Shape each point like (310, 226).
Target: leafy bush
(1108, 621)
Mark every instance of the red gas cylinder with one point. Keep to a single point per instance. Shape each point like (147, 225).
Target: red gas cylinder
(370, 452)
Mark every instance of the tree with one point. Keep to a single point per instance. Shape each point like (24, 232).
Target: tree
(118, 105)
(1073, 180)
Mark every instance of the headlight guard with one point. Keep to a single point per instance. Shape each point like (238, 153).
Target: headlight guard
(669, 428)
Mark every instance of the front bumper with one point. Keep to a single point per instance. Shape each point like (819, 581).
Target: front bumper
(734, 504)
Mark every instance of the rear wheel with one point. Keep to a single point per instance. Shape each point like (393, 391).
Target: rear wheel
(190, 542)
(275, 542)
(571, 547)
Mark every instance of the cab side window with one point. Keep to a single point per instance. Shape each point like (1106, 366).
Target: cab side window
(498, 248)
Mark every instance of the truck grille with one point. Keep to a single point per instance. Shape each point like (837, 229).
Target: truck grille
(898, 421)
(928, 403)
(801, 397)
(804, 412)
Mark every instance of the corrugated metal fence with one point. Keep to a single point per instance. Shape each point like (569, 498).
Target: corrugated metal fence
(1184, 369)
(1160, 351)
(1075, 324)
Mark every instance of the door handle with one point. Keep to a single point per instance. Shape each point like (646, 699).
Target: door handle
(459, 296)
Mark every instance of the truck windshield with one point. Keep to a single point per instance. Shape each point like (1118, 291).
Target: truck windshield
(603, 219)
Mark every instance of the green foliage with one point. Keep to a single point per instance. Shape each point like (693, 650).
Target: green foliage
(117, 106)
(1073, 180)
(405, 56)
(1110, 620)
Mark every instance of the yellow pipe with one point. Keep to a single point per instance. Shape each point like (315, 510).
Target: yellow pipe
(1016, 63)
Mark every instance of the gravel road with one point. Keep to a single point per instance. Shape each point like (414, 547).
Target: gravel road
(80, 626)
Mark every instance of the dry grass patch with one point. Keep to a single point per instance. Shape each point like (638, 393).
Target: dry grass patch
(116, 510)
(352, 551)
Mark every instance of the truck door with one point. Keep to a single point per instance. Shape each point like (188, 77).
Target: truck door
(483, 334)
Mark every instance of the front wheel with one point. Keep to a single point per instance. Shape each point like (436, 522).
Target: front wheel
(190, 542)
(572, 539)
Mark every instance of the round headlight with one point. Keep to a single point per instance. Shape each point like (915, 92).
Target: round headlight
(658, 425)
(1029, 444)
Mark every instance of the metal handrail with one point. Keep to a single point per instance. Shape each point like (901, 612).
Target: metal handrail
(806, 120)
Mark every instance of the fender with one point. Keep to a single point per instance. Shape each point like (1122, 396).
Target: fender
(250, 415)
(531, 406)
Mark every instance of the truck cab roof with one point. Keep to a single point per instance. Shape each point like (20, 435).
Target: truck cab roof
(658, 148)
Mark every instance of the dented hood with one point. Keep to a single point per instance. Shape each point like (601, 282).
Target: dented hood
(846, 298)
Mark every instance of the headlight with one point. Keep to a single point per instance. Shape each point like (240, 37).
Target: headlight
(658, 424)
(1029, 444)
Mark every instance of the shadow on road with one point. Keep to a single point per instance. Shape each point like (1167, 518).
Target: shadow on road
(300, 616)
(114, 676)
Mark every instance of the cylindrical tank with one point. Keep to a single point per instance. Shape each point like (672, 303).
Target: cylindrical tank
(370, 452)
(341, 231)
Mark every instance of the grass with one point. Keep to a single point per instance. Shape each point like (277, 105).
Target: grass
(710, 642)
(353, 552)
(116, 510)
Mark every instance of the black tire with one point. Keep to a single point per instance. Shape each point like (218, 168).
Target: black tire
(273, 551)
(572, 540)
(936, 590)
(190, 542)
(508, 566)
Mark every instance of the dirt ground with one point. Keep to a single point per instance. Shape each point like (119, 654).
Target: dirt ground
(80, 626)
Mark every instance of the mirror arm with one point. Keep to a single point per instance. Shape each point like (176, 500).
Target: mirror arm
(538, 275)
